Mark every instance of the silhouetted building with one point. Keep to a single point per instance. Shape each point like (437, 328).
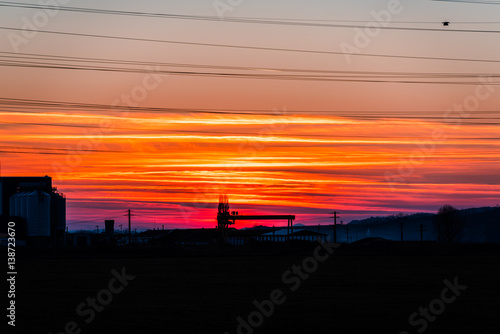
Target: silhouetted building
(110, 227)
(284, 235)
(40, 207)
(79, 239)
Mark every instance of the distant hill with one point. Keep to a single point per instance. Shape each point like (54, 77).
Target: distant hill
(481, 225)
(395, 218)
(484, 212)
(257, 227)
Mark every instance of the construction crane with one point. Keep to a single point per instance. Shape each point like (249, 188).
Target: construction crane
(226, 218)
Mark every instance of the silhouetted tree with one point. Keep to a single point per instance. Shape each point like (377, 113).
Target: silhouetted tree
(448, 223)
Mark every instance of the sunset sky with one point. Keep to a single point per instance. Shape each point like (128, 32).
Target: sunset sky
(171, 114)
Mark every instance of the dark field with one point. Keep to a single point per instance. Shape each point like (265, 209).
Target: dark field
(346, 294)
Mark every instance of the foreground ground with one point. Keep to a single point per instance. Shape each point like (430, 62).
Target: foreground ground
(346, 294)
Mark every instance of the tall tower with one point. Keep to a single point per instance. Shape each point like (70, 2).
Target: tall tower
(223, 217)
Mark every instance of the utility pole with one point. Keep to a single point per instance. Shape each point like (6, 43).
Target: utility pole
(97, 229)
(121, 229)
(129, 229)
(347, 230)
(289, 230)
(422, 230)
(335, 226)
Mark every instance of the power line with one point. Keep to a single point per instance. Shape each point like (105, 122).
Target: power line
(293, 77)
(92, 221)
(16, 60)
(22, 152)
(255, 47)
(250, 133)
(52, 149)
(471, 2)
(309, 23)
(14, 56)
(66, 106)
(13, 103)
(354, 116)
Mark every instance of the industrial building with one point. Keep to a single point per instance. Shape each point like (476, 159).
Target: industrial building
(39, 206)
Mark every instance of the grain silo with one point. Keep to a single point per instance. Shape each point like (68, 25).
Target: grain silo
(12, 205)
(40, 207)
(21, 205)
(38, 214)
